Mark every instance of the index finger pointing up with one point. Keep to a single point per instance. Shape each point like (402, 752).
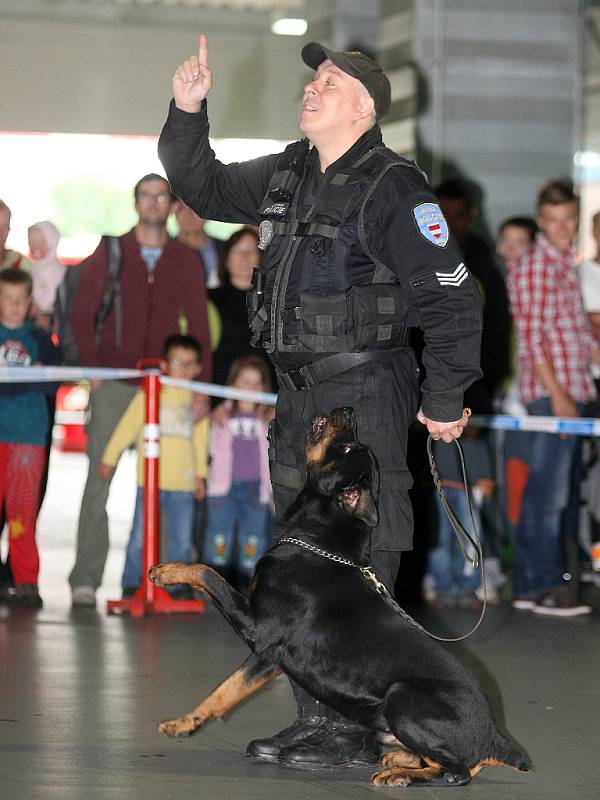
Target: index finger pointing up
(203, 50)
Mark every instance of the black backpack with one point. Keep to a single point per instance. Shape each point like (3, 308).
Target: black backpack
(65, 297)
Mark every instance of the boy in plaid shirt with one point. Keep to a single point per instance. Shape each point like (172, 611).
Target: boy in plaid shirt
(554, 347)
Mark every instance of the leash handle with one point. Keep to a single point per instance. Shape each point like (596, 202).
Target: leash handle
(462, 534)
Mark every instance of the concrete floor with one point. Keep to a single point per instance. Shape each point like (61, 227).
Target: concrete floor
(80, 695)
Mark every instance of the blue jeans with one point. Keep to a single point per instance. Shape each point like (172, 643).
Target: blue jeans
(446, 563)
(179, 508)
(538, 545)
(241, 507)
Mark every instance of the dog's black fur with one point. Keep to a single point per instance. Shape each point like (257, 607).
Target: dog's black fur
(323, 624)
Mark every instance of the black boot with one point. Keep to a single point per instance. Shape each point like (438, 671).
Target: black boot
(337, 742)
(311, 716)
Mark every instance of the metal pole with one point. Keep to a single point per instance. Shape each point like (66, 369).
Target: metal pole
(149, 598)
(151, 465)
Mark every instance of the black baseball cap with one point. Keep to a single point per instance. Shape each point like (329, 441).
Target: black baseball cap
(359, 66)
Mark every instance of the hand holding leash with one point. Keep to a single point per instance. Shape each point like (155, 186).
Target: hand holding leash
(446, 431)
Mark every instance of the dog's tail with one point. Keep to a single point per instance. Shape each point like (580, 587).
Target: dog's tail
(504, 754)
(511, 755)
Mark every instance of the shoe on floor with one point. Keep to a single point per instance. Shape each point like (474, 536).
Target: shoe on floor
(523, 603)
(557, 603)
(6, 592)
(83, 596)
(302, 727)
(331, 746)
(26, 595)
(491, 595)
(469, 600)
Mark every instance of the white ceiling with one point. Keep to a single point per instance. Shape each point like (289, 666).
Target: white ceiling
(251, 15)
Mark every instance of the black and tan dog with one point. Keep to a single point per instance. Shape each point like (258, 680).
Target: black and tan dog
(322, 623)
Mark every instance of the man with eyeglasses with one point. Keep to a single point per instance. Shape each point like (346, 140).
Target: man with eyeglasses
(158, 290)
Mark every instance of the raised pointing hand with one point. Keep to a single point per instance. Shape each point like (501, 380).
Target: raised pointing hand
(192, 80)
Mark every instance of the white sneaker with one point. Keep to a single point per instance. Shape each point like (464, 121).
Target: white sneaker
(557, 603)
(491, 594)
(83, 596)
(523, 604)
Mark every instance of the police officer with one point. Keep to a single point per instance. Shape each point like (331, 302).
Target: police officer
(355, 251)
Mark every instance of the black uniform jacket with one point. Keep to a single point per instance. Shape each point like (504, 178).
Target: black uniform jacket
(399, 228)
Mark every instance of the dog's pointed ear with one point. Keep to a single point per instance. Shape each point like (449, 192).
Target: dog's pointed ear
(359, 503)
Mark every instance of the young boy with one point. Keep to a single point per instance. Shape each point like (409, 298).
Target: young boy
(183, 458)
(24, 428)
(516, 236)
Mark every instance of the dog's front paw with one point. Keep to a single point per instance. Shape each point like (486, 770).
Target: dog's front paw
(167, 574)
(184, 726)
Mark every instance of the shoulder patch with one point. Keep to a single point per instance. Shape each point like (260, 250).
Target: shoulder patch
(431, 223)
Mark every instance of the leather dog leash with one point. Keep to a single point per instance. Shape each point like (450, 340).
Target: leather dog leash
(376, 585)
(463, 536)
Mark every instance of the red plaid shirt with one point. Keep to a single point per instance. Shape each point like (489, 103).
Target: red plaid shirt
(550, 322)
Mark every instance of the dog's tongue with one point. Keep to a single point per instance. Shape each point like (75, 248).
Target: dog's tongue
(318, 425)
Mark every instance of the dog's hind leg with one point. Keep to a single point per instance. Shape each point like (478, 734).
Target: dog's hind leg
(255, 672)
(421, 721)
(401, 758)
(433, 774)
(233, 605)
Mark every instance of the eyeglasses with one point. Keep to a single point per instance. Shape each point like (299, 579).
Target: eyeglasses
(183, 362)
(161, 198)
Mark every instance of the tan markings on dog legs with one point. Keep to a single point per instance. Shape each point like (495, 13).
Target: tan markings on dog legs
(401, 776)
(401, 758)
(486, 762)
(227, 695)
(390, 777)
(177, 572)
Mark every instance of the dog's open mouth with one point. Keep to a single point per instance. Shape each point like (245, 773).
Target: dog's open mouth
(318, 427)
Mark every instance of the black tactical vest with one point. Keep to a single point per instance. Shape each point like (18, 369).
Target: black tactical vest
(319, 290)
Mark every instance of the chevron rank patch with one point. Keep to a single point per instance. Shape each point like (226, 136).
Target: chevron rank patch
(453, 278)
(431, 223)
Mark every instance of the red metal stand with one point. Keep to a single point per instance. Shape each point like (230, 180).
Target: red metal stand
(149, 598)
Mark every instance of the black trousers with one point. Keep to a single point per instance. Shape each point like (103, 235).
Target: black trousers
(384, 396)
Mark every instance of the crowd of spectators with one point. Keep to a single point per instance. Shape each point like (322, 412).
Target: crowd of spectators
(181, 302)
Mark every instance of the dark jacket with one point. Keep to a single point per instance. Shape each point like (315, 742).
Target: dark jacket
(153, 306)
(382, 230)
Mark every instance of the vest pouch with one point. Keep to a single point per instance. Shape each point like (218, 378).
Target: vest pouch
(324, 322)
(379, 315)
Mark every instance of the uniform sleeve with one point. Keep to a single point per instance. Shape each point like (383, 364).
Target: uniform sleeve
(126, 432)
(224, 192)
(405, 231)
(200, 437)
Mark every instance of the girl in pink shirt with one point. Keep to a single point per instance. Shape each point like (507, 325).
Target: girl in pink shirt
(239, 487)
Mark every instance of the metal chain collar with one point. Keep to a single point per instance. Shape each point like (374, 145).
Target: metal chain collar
(367, 572)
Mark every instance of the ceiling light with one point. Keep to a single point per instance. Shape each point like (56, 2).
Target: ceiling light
(289, 26)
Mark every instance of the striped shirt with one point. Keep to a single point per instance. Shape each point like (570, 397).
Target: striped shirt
(550, 322)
